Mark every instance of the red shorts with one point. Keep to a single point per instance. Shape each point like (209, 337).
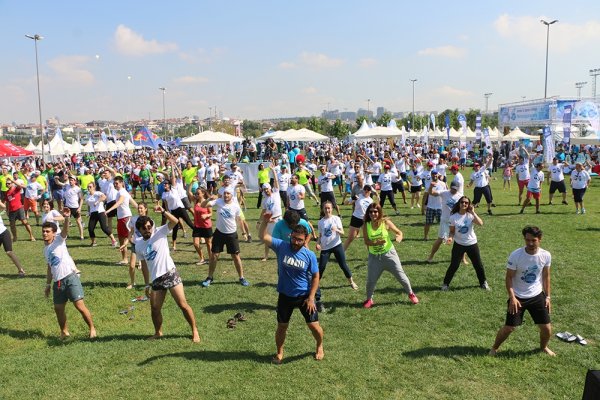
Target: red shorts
(122, 230)
(523, 184)
(534, 195)
(30, 205)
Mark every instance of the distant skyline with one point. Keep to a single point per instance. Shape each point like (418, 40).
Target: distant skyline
(267, 59)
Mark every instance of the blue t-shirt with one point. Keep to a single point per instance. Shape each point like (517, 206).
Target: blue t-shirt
(292, 156)
(282, 231)
(295, 269)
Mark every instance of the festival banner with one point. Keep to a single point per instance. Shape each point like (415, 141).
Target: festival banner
(447, 129)
(486, 137)
(432, 118)
(548, 145)
(567, 124)
(425, 137)
(462, 120)
(478, 127)
(58, 134)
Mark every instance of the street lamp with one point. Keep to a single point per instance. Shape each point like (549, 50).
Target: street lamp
(594, 74)
(579, 85)
(35, 39)
(164, 113)
(487, 97)
(547, 43)
(413, 104)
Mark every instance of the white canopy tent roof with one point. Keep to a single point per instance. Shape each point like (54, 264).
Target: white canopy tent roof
(76, 147)
(517, 134)
(210, 137)
(302, 135)
(88, 148)
(378, 132)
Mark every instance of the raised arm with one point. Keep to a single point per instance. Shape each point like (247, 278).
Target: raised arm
(65, 229)
(262, 230)
(172, 220)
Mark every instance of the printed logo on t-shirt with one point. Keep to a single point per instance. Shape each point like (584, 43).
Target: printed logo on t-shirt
(293, 262)
(150, 253)
(464, 228)
(327, 232)
(225, 213)
(530, 274)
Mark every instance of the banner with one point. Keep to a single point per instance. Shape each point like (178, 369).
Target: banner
(462, 120)
(548, 145)
(486, 137)
(524, 114)
(425, 134)
(478, 128)
(447, 129)
(432, 118)
(145, 138)
(567, 124)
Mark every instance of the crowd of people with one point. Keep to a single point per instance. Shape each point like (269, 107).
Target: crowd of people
(186, 186)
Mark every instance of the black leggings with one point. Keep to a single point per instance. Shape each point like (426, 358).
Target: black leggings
(185, 216)
(340, 256)
(486, 191)
(387, 193)
(96, 217)
(458, 250)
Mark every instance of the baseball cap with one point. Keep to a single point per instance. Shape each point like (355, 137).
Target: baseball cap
(454, 168)
(266, 186)
(476, 165)
(387, 166)
(430, 164)
(454, 185)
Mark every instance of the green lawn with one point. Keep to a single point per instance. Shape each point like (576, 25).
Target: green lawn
(437, 349)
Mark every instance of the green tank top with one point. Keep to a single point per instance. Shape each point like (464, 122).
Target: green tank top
(376, 234)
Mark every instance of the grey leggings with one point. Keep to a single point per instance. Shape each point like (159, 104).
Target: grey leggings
(385, 262)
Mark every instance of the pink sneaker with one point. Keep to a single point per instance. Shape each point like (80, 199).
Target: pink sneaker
(368, 303)
(413, 298)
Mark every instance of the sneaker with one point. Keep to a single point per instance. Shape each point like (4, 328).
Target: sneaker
(565, 203)
(244, 282)
(114, 244)
(320, 307)
(249, 240)
(368, 303)
(206, 282)
(485, 286)
(445, 288)
(493, 205)
(94, 244)
(413, 298)
(522, 210)
(550, 203)
(418, 206)
(583, 210)
(577, 211)
(490, 212)
(185, 235)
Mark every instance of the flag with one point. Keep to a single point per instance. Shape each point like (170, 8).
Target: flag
(114, 136)
(548, 145)
(567, 124)
(92, 140)
(425, 134)
(145, 138)
(58, 134)
(448, 129)
(478, 127)
(486, 137)
(432, 118)
(103, 137)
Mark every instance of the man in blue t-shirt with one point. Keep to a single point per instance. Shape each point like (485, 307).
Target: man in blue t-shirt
(298, 281)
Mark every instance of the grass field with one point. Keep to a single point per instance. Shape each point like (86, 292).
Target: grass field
(437, 349)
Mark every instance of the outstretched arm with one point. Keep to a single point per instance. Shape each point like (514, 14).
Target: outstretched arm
(262, 230)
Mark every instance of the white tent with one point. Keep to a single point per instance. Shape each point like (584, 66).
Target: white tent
(120, 145)
(378, 132)
(302, 135)
(31, 146)
(590, 139)
(210, 137)
(58, 146)
(270, 134)
(101, 147)
(129, 145)
(516, 134)
(76, 147)
(89, 147)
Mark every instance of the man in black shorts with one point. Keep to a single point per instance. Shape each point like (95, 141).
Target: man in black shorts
(298, 281)
(528, 286)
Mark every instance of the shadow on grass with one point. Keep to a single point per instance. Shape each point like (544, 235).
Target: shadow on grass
(588, 229)
(15, 276)
(462, 351)
(56, 341)
(418, 289)
(100, 284)
(23, 335)
(217, 356)
(244, 306)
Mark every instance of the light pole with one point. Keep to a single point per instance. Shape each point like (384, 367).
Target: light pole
(547, 43)
(594, 74)
(413, 103)
(487, 97)
(368, 107)
(35, 39)
(209, 118)
(579, 85)
(164, 112)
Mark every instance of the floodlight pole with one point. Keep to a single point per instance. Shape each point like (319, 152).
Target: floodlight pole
(487, 97)
(579, 85)
(413, 103)
(594, 74)
(35, 39)
(547, 44)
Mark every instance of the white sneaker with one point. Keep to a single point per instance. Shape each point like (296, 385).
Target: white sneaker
(583, 210)
(445, 288)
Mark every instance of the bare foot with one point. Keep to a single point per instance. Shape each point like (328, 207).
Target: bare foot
(129, 287)
(429, 260)
(465, 261)
(319, 354)
(155, 336)
(93, 334)
(493, 352)
(263, 260)
(549, 352)
(195, 337)
(353, 285)
(277, 359)
(65, 336)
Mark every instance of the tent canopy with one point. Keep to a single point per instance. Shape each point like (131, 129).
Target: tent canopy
(7, 149)
(210, 137)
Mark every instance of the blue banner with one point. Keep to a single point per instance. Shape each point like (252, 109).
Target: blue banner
(478, 127)
(567, 123)
(448, 128)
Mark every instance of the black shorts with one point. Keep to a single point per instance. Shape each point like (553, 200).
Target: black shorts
(75, 213)
(302, 213)
(17, 215)
(6, 241)
(113, 213)
(327, 196)
(398, 186)
(167, 281)
(220, 240)
(211, 185)
(286, 306)
(578, 195)
(356, 222)
(560, 186)
(536, 307)
(284, 198)
(415, 189)
(202, 233)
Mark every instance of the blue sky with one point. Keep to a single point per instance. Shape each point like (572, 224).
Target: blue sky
(266, 59)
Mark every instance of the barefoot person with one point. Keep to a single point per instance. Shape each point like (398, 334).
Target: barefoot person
(528, 287)
(297, 284)
(62, 270)
(153, 247)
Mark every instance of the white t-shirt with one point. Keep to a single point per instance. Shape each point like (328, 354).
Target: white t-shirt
(296, 203)
(57, 256)
(556, 172)
(156, 252)
(579, 180)
(212, 173)
(173, 199)
(480, 178)
(51, 217)
(385, 181)
(535, 181)
(360, 206)
(226, 215)
(329, 238)
(32, 190)
(326, 183)
(426, 177)
(522, 171)
(463, 225)
(91, 201)
(284, 181)
(131, 226)
(414, 177)
(108, 188)
(272, 204)
(435, 202)
(123, 209)
(72, 194)
(460, 181)
(2, 226)
(527, 282)
(448, 201)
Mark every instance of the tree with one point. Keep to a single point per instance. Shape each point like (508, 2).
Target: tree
(252, 128)
(385, 118)
(338, 129)
(359, 120)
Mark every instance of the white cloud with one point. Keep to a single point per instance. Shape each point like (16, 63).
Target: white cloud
(190, 80)
(71, 69)
(318, 60)
(563, 35)
(131, 43)
(309, 90)
(444, 51)
(451, 91)
(287, 65)
(367, 62)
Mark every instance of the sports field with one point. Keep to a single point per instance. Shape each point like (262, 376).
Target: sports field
(437, 349)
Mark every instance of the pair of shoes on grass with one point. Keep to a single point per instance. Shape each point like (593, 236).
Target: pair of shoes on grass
(570, 338)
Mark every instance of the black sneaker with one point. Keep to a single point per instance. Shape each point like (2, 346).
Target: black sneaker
(565, 203)
(490, 212)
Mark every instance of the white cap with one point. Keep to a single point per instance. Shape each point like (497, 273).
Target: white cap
(266, 186)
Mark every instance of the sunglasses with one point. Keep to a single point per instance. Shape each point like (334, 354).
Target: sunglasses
(465, 202)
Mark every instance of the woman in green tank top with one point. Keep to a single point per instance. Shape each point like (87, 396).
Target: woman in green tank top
(377, 232)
